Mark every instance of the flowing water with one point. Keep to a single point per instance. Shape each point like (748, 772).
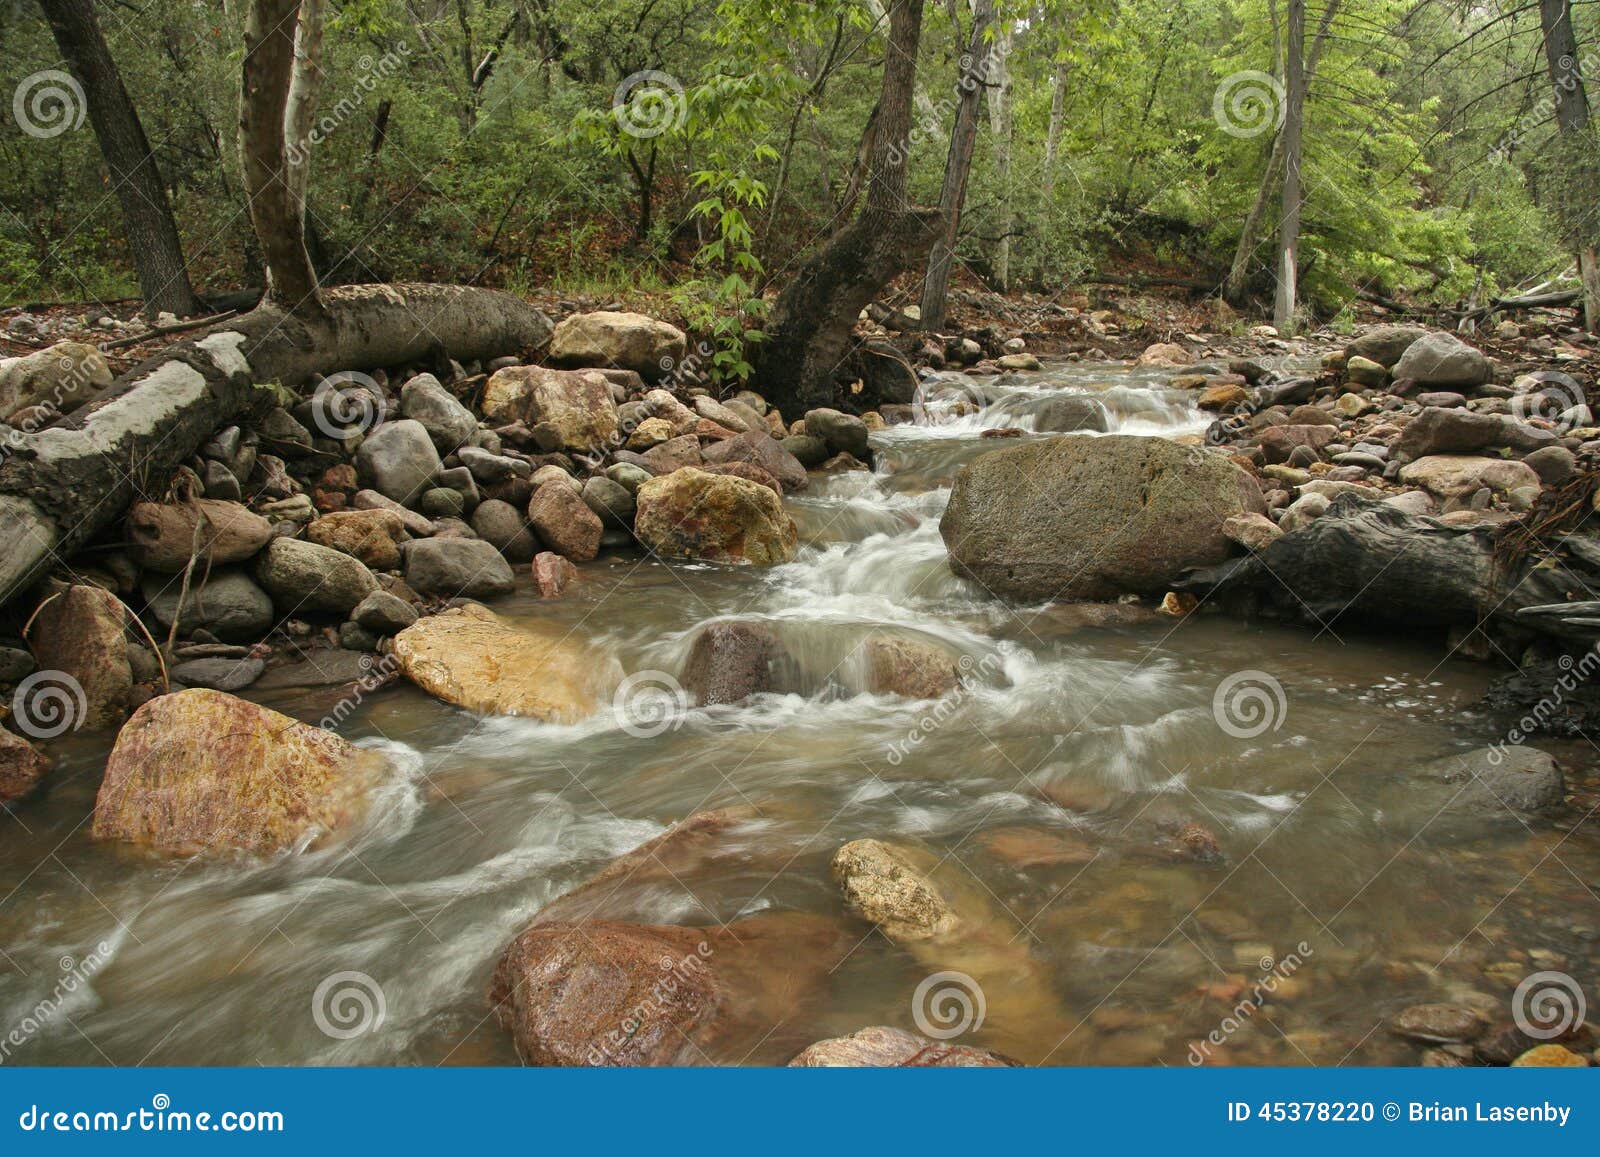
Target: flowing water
(1053, 789)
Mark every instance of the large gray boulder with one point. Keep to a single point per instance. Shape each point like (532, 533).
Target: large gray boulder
(303, 577)
(1385, 344)
(227, 603)
(1438, 359)
(447, 421)
(398, 460)
(457, 567)
(1092, 518)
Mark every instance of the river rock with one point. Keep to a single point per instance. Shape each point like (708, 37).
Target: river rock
(661, 404)
(372, 536)
(470, 657)
(163, 536)
(604, 993)
(1252, 531)
(612, 502)
(1459, 476)
(226, 603)
(564, 522)
(1385, 344)
(203, 771)
(809, 451)
(1066, 413)
(894, 1048)
(304, 577)
(714, 411)
(80, 643)
(457, 568)
(760, 449)
(1440, 359)
(502, 524)
(692, 514)
(1553, 464)
(565, 409)
(1279, 443)
(913, 668)
(1492, 782)
(219, 674)
(552, 574)
(1447, 430)
(888, 886)
(841, 433)
(447, 421)
(21, 767)
(632, 341)
(729, 662)
(1092, 517)
(673, 454)
(1164, 356)
(1438, 1023)
(383, 614)
(398, 460)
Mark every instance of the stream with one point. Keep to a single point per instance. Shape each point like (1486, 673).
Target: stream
(1052, 785)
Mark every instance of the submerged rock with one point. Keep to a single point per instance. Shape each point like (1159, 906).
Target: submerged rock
(470, 657)
(601, 993)
(897, 665)
(202, 771)
(883, 1047)
(1092, 518)
(730, 662)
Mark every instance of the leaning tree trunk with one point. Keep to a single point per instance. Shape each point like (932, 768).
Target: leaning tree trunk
(957, 167)
(59, 486)
(1576, 155)
(1283, 302)
(146, 211)
(810, 337)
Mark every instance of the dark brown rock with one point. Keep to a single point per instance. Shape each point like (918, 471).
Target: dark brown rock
(730, 662)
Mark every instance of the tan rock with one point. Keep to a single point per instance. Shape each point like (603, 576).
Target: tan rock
(565, 409)
(883, 1047)
(470, 657)
(373, 536)
(1252, 531)
(648, 433)
(1165, 355)
(1459, 475)
(60, 378)
(202, 771)
(81, 634)
(632, 341)
(896, 665)
(163, 536)
(692, 514)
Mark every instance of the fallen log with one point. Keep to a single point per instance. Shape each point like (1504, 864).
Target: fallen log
(60, 485)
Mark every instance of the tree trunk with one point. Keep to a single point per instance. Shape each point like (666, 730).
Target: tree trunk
(957, 168)
(1250, 236)
(146, 212)
(810, 337)
(271, 29)
(1052, 136)
(999, 92)
(1576, 155)
(1283, 304)
(61, 485)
